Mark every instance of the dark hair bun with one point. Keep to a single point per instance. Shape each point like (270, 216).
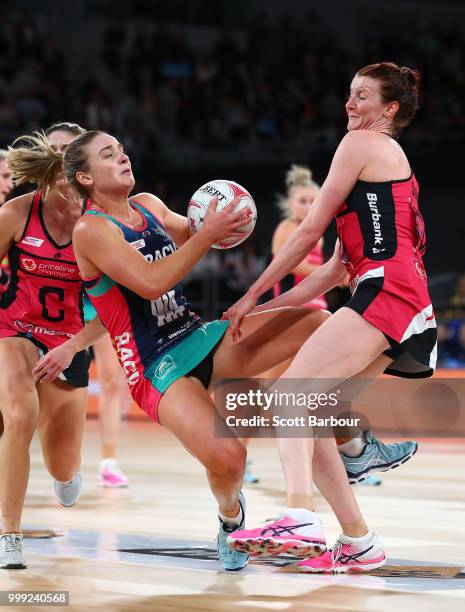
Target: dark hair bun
(411, 76)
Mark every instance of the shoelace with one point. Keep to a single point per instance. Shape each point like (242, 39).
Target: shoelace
(12, 544)
(279, 531)
(336, 553)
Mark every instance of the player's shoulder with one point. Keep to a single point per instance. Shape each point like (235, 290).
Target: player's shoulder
(89, 225)
(149, 200)
(14, 215)
(359, 145)
(286, 226)
(282, 233)
(18, 206)
(359, 138)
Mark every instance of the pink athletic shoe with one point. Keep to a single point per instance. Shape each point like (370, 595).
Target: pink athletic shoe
(112, 477)
(285, 534)
(347, 556)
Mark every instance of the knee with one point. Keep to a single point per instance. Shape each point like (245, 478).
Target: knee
(62, 463)
(230, 463)
(111, 383)
(19, 419)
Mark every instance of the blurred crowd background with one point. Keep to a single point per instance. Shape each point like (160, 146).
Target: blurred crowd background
(201, 89)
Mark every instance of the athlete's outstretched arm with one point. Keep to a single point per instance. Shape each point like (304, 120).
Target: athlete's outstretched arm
(325, 277)
(348, 162)
(59, 358)
(100, 246)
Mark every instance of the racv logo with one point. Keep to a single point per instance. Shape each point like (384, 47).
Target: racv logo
(126, 356)
(29, 264)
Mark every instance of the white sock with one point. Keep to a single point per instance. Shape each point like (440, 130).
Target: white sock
(354, 447)
(363, 540)
(232, 521)
(107, 462)
(302, 515)
(67, 482)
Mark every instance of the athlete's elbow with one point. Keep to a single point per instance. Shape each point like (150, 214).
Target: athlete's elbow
(308, 235)
(149, 292)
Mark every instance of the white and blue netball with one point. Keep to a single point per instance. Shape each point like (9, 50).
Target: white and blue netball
(225, 191)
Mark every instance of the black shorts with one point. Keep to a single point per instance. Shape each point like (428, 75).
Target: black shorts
(77, 373)
(203, 371)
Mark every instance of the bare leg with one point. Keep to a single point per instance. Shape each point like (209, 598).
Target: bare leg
(223, 458)
(341, 348)
(268, 339)
(61, 427)
(20, 410)
(295, 452)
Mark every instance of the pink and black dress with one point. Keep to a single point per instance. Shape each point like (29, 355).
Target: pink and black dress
(382, 238)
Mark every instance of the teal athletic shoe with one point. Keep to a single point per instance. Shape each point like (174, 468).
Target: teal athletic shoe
(371, 481)
(231, 560)
(249, 476)
(377, 457)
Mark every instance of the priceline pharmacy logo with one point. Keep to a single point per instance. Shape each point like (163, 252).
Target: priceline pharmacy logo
(265, 400)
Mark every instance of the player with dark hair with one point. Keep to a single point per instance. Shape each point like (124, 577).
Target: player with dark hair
(373, 194)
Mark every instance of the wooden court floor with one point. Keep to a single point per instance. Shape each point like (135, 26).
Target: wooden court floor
(151, 546)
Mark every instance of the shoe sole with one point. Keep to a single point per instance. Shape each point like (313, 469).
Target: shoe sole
(267, 547)
(13, 566)
(68, 505)
(385, 468)
(344, 569)
(236, 569)
(112, 486)
(369, 483)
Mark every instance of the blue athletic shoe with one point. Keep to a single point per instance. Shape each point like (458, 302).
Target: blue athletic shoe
(249, 476)
(372, 481)
(231, 560)
(377, 457)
